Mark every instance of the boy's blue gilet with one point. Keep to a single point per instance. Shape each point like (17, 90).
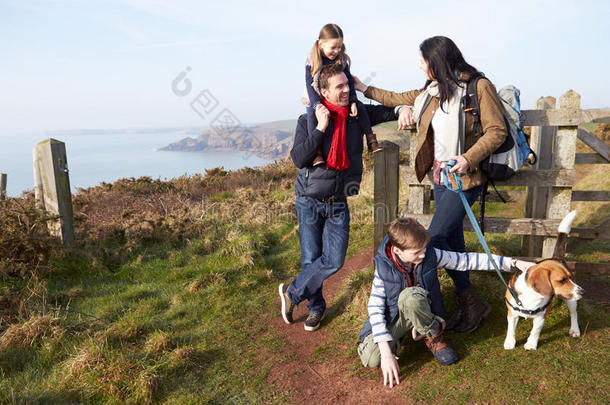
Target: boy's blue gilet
(394, 282)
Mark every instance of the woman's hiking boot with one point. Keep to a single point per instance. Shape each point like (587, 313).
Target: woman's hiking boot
(372, 144)
(456, 318)
(474, 309)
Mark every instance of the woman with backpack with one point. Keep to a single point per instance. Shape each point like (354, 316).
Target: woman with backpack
(446, 132)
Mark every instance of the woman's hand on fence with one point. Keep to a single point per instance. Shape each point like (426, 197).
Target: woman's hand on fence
(461, 165)
(405, 117)
(358, 85)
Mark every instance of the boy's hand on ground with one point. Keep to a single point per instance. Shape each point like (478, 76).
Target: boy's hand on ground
(353, 110)
(390, 370)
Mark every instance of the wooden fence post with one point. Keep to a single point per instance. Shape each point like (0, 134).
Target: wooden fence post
(564, 155)
(53, 187)
(385, 189)
(419, 195)
(541, 141)
(2, 186)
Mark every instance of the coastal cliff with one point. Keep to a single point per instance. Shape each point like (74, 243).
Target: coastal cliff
(271, 140)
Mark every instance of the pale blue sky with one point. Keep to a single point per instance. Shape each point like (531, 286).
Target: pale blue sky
(110, 64)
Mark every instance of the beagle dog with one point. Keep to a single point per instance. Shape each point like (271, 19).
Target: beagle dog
(536, 287)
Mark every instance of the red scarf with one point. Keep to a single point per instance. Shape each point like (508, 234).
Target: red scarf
(412, 277)
(337, 157)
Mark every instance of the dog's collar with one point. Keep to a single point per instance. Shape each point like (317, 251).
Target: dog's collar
(529, 311)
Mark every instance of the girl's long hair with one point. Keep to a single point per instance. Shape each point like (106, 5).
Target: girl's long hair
(446, 64)
(329, 31)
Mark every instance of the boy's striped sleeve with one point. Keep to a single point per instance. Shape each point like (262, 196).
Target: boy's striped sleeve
(376, 308)
(470, 261)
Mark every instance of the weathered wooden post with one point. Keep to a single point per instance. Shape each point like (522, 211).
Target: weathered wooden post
(385, 189)
(564, 155)
(541, 141)
(2, 186)
(53, 187)
(419, 195)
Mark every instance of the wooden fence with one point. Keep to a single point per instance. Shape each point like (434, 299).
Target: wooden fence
(555, 128)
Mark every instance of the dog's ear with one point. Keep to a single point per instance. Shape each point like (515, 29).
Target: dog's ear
(539, 278)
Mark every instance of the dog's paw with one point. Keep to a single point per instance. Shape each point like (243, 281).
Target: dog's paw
(575, 333)
(530, 345)
(509, 344)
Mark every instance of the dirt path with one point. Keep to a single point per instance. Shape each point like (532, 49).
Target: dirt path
(331, 380)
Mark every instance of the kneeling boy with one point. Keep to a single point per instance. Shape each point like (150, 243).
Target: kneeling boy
(406, 295)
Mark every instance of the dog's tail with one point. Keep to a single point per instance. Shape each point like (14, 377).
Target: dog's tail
(562, 239)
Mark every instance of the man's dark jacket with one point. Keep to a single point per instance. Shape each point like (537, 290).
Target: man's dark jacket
(320, 182)
(394, 282)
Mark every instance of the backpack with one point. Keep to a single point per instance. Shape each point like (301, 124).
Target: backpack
(514, 152)
(505, 161)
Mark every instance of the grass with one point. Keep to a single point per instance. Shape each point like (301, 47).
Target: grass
(167, 298)
(151, 330)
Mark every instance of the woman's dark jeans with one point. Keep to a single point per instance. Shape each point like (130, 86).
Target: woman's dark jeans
(446, 229)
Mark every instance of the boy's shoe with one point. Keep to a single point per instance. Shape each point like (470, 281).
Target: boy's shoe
(437, 328)
(372, 144)
(441, 350)
(319, 160)
(287, 305)
(313, 321)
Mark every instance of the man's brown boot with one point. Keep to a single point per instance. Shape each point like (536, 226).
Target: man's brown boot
(319, 160)
(474, 310)
(372, 144)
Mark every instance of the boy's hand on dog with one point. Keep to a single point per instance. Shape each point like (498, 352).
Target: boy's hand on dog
(522, 264)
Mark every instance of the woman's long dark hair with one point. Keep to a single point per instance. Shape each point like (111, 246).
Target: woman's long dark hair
(446, 64)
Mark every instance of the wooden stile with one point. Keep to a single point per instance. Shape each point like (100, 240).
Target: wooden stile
(549, 185)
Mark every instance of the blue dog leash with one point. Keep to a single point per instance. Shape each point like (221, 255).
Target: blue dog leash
(475, 225)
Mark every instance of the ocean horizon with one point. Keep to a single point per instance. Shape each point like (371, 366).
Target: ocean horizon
(94, 158)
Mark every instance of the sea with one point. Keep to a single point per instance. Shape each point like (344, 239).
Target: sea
(105, 157)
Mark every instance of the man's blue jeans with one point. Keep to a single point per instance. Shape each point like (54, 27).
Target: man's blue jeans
(324, 234)
(446, 229)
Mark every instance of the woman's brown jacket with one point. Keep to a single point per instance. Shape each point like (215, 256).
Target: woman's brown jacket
(492, 125)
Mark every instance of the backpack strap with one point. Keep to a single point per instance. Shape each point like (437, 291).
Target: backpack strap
(470, 104)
